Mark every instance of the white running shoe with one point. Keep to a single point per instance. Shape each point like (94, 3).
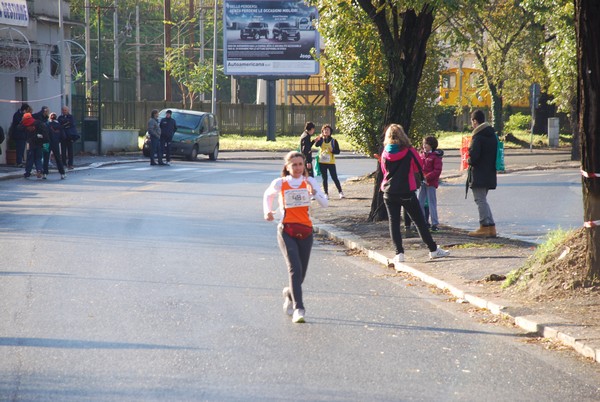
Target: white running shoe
(298, 316)
(341, 195)
(397, 260)
(63, 176)
(439, 253)
(288, 307)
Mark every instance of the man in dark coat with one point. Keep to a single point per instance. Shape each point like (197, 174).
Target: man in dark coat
(306, 146)
(43, 115)
(168, 126)
(67, 121)
(483, 151)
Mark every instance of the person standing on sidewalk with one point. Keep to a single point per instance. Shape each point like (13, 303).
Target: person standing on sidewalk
(168, 126)
(399, 163)
(481, 175)
(16, 133)
(294, 233)
(37, 135)
(67, 121)
(154, 131)
(329, 147)
(306, 145)
(431, 157)
(57, 135)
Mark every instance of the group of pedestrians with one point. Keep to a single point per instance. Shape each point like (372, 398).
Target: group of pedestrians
(41, 135)
(161, 134)
(404, 171)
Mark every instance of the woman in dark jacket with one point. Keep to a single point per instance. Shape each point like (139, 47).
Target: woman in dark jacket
(306, 146)
(57, 135)
(37, 135)
(399, 163)
(482, 171)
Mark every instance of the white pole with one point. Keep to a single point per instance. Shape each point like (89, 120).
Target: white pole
(88, 57)
(214, 71)
(63, 58)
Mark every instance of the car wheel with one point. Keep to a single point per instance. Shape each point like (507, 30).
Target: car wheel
(214, 154)
(194, 154)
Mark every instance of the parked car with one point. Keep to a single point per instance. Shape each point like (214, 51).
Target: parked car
(284, 31)
(197, 133)
(255, 30)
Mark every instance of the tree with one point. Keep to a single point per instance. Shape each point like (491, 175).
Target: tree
(559, 55)
(192, 78)
(587, 25)
(494, 31)
(390, 78)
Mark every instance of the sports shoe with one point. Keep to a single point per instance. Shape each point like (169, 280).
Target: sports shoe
(326, 196)
(341, 195)
(63, 176)
(399, 258)
(287, 302)
(439, 253)
(298, 316)
(44, 176)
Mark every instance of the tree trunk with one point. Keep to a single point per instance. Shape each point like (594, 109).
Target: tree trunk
(576, 136)
(587, 25)
(405, 56)
(497, 122)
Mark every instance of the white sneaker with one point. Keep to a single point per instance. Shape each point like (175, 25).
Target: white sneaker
(326, 196)
(298, 316)
(439, 253)
(63, 176)
(341, 195)
(397, 260)
(288, 307)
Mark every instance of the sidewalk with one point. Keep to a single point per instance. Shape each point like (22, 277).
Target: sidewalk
(466, 273)
(462, 275)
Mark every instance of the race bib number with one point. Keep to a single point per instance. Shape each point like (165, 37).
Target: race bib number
(295, 198)
(325, 157)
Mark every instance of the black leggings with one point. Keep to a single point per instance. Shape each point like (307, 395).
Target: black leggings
(394, 203)
(324, 168)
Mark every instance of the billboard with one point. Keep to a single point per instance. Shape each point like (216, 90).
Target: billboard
(269, 38)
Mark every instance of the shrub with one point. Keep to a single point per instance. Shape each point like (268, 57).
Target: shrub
(518, 121)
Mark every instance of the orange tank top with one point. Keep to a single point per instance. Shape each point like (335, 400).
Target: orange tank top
(295, 203)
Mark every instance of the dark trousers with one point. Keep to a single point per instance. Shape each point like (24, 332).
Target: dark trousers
(155, 150)
(55, 149)
(34, 155)
(165, 149)
(66, 152)
(394, 204)
(20, 146)
(329, 167)
(296, 253)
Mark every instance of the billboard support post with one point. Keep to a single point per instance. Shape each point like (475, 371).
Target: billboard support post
(271, 100)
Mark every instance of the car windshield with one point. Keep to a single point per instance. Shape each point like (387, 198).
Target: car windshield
(185, 120)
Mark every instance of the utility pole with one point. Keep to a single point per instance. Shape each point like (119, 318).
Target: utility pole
(214, 70)
(138, 64)
(88, 58)
(116, 51)
(167, 28)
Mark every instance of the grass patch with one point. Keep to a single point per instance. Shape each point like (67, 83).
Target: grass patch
(540, 256)
(235, 142)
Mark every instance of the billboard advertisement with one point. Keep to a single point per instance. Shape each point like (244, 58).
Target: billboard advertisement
(269, 38)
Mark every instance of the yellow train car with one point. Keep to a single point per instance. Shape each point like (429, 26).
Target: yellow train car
(463, 87)
(469, 91)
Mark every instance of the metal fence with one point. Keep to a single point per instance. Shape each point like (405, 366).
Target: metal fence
(242, 119)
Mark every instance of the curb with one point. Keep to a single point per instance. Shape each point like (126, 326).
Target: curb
(582, 340)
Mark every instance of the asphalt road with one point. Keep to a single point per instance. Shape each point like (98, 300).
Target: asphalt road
(164, 283)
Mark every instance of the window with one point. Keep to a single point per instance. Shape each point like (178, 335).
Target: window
(449, 81)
